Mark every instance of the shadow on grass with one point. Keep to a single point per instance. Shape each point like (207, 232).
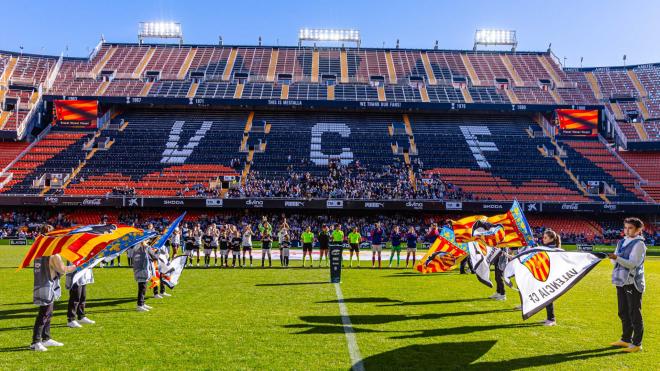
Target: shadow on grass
(545, 360)
(25, 328)
(15, 349)
(441, 356)
(361, 301)
(379, 319)
(463, 355)
(291, 284)
(61, 306)
(434, 302)
(462, 330)
(327, 329)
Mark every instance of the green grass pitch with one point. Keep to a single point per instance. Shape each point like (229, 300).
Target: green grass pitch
(289, 319)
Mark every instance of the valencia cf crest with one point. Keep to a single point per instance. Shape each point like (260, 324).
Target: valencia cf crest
(538, 264)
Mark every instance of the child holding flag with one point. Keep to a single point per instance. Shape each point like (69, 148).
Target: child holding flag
(354, 239)
(47, 290)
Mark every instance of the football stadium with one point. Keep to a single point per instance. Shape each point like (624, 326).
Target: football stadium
(326, 202)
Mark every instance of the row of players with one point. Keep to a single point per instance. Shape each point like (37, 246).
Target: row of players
(229, 237)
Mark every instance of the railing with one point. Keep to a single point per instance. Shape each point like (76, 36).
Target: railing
(616, 154)
(50, 80)
(27, 149)
(20, 130)
(609, 116)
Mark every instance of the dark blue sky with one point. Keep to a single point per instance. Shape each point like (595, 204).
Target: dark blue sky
(600, 31)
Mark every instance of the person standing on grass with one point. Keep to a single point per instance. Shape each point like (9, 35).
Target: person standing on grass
(324, 244)
(338, 235)
(280, 238)
(247, 243)
(78, 298)
(395, 238)
(411, 246)
(285, 245)
(188, 243)
(198, 235)
(376, 245)
(235, 246)
(266, 241)
(176, 241)
(215, 238)
(47, 290)
(224, 246)
(141, 272)
(552, 240)
(208, 238)
(307, 238)
(354, 239)
(628, 278)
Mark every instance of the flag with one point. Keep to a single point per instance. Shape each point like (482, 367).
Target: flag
(448, 234)
(503, 230)
(154, 273)
(171, 274)
(75, 244)
(481, 257)
(168, 232)
(441, 257)
(114, 249)
(544, 274)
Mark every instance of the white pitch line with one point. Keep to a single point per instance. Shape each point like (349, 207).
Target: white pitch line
(353, 349)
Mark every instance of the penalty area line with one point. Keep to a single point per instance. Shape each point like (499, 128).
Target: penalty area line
(353, 349)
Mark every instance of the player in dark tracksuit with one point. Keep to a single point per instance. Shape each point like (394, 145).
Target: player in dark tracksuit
(324, 244)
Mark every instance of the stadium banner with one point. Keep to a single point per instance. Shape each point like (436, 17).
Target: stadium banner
(80, 114)
(544, 274)
(578, 122)
(319, 204)
(316, 104)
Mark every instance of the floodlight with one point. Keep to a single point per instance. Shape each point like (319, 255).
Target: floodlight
(160, 30)
(488, 37)
(330, 35)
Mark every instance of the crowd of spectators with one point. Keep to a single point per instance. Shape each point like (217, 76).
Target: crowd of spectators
(353, 181)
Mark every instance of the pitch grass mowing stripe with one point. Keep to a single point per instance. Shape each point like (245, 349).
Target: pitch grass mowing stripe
(353, 349)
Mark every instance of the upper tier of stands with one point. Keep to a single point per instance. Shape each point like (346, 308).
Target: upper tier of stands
(306, 71)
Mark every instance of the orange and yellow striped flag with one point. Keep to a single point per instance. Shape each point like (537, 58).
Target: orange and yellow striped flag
(75, 244)
(441, 257)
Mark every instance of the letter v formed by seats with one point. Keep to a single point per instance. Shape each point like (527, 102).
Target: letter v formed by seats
(176, 154)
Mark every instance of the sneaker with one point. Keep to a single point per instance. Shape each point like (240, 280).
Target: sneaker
(166, 294)
(158, 296)
(549, 323)
(52, 343)
(620, 343)
(501, 298)
(147, 306)
(494, 296)
(86, 321)
(74, 324)
(142, 309)
(38, 347)
(633, 348)
(517, 307)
